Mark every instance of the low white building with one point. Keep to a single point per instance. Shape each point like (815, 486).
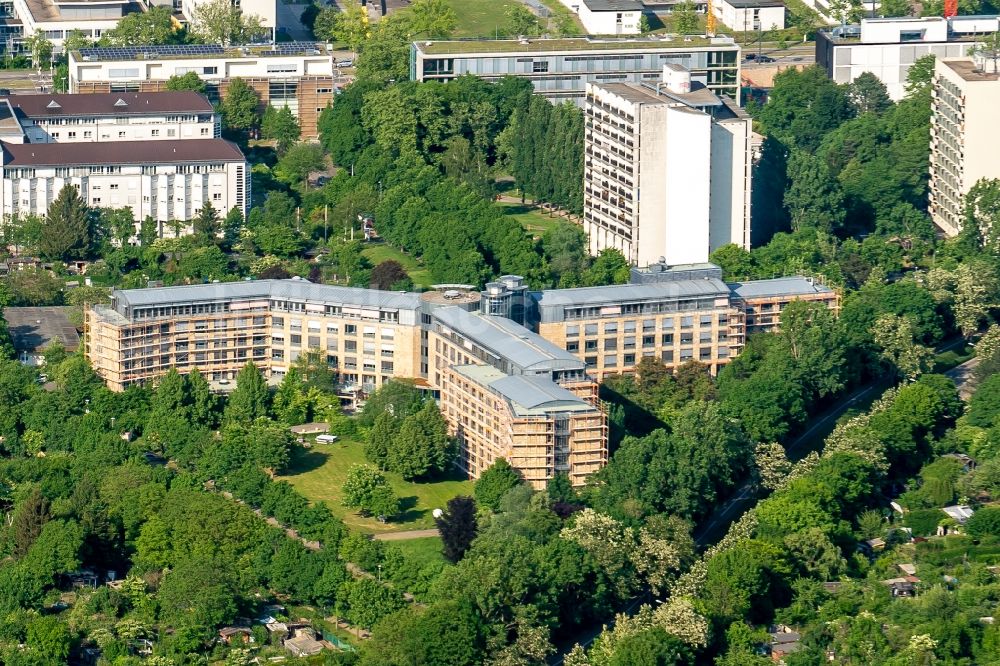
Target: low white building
(58, 18)
(686, 151)
(65, 118)
(750, 15)
(888, 47)
(608, 17)
(265, 10)
(166, 180)
(299, 75)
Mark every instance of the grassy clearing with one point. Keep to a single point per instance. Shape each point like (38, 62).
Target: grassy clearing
(480, 18)
(420, 551)
(536, 222)
(379, 252)
(320, 472)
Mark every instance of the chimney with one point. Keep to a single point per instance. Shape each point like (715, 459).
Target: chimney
(676, 79)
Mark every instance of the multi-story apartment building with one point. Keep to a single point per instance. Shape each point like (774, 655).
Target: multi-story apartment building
(888, 47)
(166, 180)
(299, 75)
(560, 69)
(608, 17)
(676, 321)
(964, 137)
(508, 392)
(367, 335)
(762, 301)
(66, 118)
(504, 390)
(686, 150)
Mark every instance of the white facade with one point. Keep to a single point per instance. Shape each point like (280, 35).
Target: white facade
(247, 63)
(167, 183)
(965, 142)
(64, 118)
(172, 128)
(686, 153)
(888, 47)
(58, 18)
(607, 17)
(750, 15)
(265, 10)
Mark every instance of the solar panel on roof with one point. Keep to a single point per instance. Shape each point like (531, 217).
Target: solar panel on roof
(149, 52)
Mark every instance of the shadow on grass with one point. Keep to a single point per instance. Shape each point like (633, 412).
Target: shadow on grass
(305, 460)
(408, 511)
(655, 22)
(517, 209)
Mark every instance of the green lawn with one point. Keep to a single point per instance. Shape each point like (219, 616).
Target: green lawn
(420, 551)
(480, 18)
(535, 221)
(378, 252)
(319, 472)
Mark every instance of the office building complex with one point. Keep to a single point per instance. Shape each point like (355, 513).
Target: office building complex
(608, 17)
(298, 75)
(522, 392)
(560, 69)
(62, 118)
(169, 181)
(964, 137)
(887, 47)
(686, 151)
(504, 390)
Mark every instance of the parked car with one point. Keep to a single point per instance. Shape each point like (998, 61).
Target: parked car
(345, 63)
(765, 58)
(751, 56)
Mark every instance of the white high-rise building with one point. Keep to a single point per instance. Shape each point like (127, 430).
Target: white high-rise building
(667, 170)
(964, 137)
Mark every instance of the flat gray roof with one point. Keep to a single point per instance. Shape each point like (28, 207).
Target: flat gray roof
(527, 395)
(570, 45)
(613, 5)
(508, 340)
(293, 289)
(646, 93)
(35, 328)
(622, 293)
(795, 285)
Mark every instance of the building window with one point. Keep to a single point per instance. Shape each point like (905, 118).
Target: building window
(156, 132)
(539, 66)
(687, 322)
(610, 344)
(296, 339)
(113, 186)
(572, 331)
(629, 359)
(611, 361)
(572, 346)
(96, 201)
(204, 131)
(590, 345)
(217, 196)
(88, 134)
(121, 134)
(171, 132)
(668, 356)
(72, 135)
(591, 361)
(668, 338)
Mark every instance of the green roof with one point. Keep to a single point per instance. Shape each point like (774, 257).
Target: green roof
(569, 44)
